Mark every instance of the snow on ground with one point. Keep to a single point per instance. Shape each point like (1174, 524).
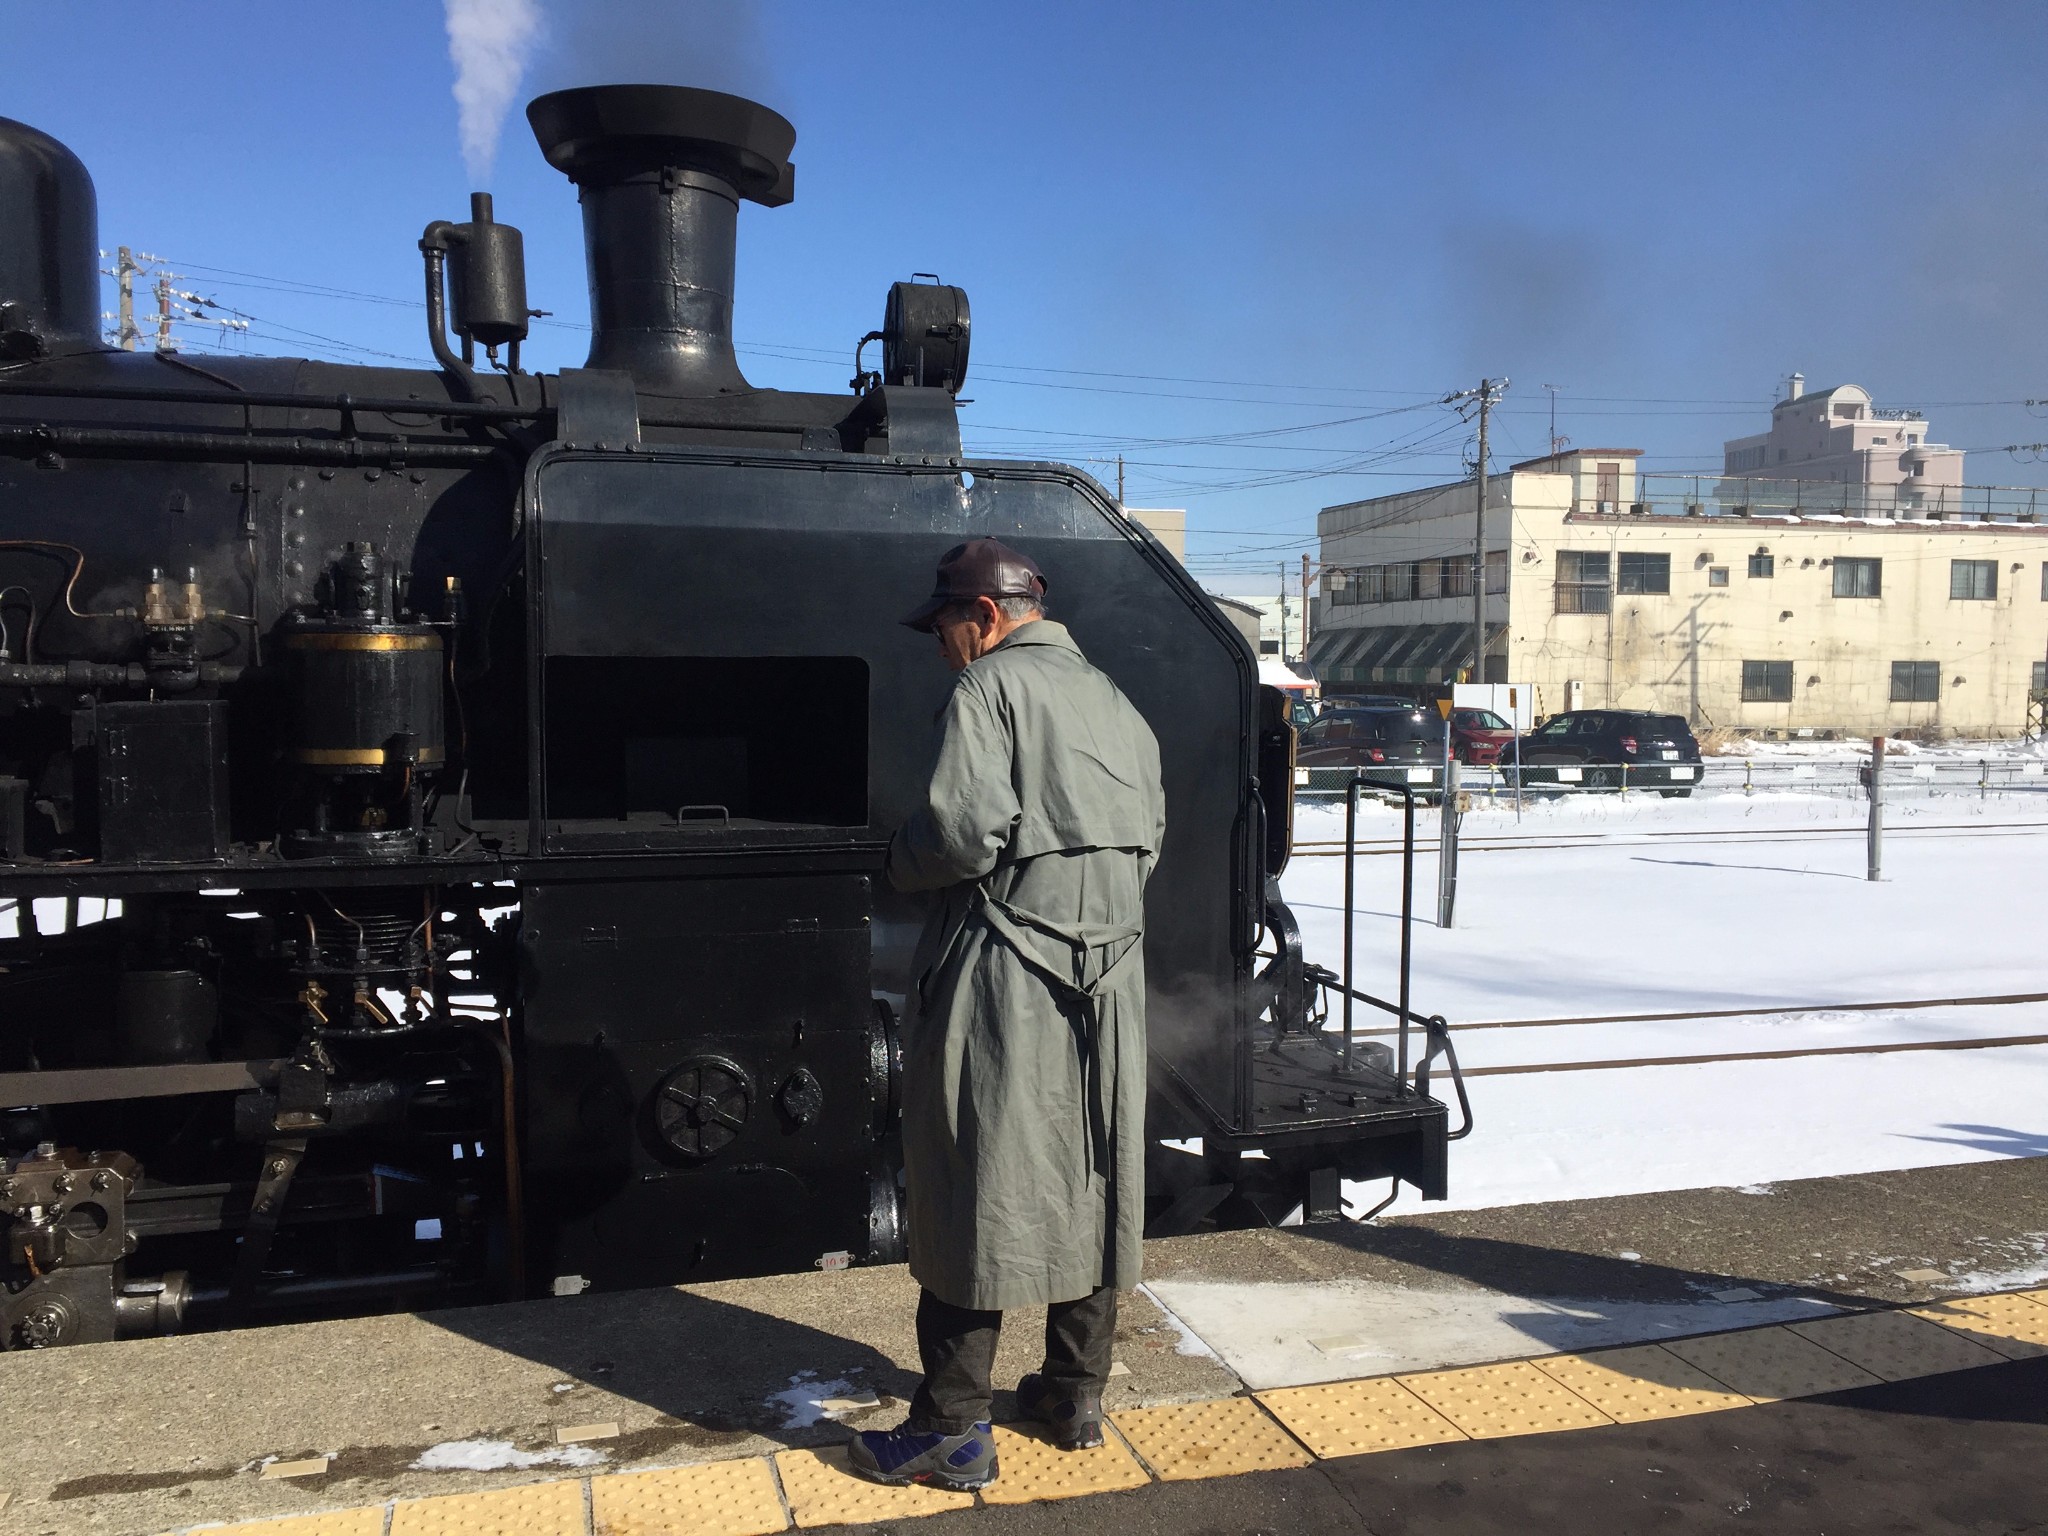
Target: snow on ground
(1761, 902)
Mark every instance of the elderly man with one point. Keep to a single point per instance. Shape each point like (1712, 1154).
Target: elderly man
(1024, 1068)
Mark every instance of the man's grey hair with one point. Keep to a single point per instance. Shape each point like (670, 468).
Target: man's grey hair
(1017, 609)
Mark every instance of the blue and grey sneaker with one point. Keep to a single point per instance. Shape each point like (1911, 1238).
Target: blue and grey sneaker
(909, 1455)
(1074, 1418)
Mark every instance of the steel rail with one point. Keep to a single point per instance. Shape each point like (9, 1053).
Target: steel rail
(2001, 1000)
(1986, 1043)
(1320, 849)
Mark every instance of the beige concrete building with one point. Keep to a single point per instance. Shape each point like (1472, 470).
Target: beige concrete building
(1606, 587)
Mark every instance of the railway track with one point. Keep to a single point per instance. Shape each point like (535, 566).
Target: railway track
(1328, 848)
(1882, 1048)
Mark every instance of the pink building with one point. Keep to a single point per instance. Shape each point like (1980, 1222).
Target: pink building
(1838, 435)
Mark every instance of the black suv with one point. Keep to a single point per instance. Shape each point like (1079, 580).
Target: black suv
(1608, 749)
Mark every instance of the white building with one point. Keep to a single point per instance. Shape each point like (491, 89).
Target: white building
(1882, 458)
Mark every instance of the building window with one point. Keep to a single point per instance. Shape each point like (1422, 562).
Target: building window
(1880, 442)
(1973, 580)
(1763, 565)
(1859, 578)
(2044, 581)
(1269, 647)
(1497, 571)
(1767, 682)
(1582, 582)
(1644, 573)
(1916, 682)
(1399, 583)
(1717, 575)
(2039, 682)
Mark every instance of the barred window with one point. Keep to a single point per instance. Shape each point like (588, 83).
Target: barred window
(1582, 582)
(1859, 578)
(1644, 573)
(1972, 580)
(1916, 682)
(1766, 682)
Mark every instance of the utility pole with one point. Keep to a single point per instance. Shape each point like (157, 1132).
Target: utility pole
(124, 276)
(1557, 444)
(1306, 573)
(1486, 398)
(1283, 611)
(163, 321)
(1119, 480)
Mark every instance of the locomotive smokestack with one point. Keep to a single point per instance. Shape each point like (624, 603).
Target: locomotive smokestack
(49, 247)
(661, 170)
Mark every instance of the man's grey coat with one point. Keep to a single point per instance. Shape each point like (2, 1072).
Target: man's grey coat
(1024, 1061)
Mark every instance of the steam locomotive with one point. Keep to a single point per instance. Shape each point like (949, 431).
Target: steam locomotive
(442, 811)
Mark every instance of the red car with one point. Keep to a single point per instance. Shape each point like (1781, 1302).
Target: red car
(1478, 735)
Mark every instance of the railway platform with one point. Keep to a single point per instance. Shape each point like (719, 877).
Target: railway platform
(1855, 1354)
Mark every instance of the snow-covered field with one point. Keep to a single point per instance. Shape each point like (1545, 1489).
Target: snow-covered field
(1723, 901)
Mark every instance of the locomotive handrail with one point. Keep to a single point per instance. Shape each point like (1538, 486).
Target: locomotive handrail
(342, 404)
(1358, 782)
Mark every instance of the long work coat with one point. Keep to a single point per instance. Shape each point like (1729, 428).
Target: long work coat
(1024, 1061)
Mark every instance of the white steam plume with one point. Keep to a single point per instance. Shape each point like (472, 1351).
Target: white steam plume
(489, 42)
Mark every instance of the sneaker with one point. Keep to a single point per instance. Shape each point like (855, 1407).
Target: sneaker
(1075, 1420)
(909, 1455)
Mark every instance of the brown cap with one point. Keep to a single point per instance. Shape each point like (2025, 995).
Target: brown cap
(979, 568)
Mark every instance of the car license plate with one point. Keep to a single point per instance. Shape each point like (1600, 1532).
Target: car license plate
(1685, 772)
(1669, 757)
(1420, 775)
(1569, 775)
(1300, 777)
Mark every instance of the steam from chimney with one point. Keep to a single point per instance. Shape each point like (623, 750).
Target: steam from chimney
(489, 43)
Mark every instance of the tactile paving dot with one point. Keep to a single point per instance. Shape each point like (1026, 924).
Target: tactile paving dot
(1768, 1364)
(538, 1509)
(1354, 1418)
(1220, 1438)
(1896, 1346)
(720, 1498)
(1034, 1469)
(1641, 1383)
(822, 1492)
(339, 1522)
(2014, 1326)
(1489, 1401)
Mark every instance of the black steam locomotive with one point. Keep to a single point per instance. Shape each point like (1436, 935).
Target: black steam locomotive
(441, 812)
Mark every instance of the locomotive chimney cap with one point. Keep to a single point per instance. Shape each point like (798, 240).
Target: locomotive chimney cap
(600, 133)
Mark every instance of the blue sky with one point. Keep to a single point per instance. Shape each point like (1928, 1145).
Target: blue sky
(1183, 224)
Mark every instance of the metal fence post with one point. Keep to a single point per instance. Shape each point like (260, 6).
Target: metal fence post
(1748, 783)
(1983, 778)
(1876, 835)
(1447, 849)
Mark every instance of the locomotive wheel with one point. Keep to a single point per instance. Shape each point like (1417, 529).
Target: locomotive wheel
(701, 1107)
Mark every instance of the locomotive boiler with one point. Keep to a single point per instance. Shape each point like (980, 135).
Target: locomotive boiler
(442, 811)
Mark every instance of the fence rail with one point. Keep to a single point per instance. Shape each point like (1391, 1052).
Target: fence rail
(1844, 777)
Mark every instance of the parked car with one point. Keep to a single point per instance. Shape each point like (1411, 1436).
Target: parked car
(1389, 745)
(1479, 736)
(1608, 749)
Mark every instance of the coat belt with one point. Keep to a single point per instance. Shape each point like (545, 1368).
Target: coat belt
(1023, 931)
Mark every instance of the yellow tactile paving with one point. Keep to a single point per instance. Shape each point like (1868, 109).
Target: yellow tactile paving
(719, 1498)
(538, 1509)
(1640, 1383)
(822, 1492)
(1767, 1365)
(338, 1522)
(1491, 1401)
(1035, 1469)
(1896, 1346)
(1354, 1418)
(2012, 1325)
(2040, 1297)
(1183, 1441)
